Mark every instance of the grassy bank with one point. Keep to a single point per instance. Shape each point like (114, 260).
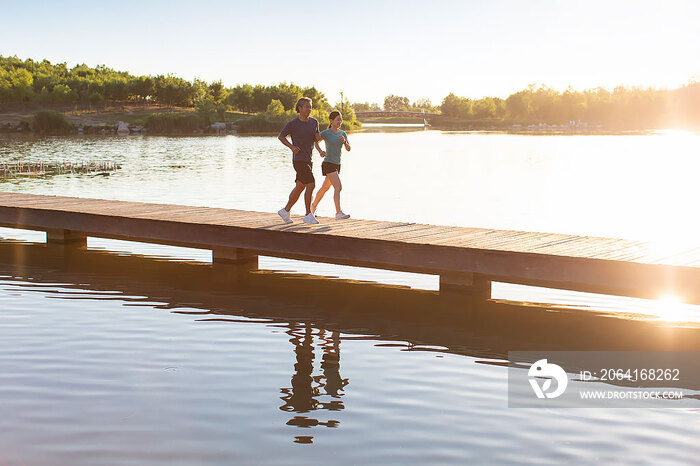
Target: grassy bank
(156, 119)
(151, 119)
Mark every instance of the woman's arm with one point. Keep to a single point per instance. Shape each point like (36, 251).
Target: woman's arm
(345, 142)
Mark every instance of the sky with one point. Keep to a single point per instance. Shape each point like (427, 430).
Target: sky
(370, 49)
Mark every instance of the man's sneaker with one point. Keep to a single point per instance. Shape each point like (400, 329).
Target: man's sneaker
(285, 216)
(310, 219)
(341, 215)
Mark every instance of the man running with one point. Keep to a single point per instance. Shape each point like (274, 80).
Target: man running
(304, 131)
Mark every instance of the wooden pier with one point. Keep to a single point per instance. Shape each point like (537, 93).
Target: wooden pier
(466, 259)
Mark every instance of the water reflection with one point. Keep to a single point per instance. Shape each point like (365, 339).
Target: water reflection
(317, 314)
(307, 389)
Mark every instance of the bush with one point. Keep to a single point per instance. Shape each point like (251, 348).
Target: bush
(168, 123)
(275, 117)
(49, 120)
(96, 99)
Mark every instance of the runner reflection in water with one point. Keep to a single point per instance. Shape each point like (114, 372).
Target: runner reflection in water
(306, 388)
(330, 363)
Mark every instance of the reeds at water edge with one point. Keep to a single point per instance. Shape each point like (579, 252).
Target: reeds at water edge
(14, 169)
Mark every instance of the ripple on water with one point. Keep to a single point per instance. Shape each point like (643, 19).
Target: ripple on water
(93, 380)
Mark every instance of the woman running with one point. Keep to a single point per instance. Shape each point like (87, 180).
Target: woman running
(335, 139)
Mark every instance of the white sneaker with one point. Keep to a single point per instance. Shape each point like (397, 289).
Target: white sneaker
(285, 216)
(341, 215)
(310, 219)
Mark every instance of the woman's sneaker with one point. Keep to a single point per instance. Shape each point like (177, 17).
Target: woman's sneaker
(341, 215)
(285, 216)
(310, 219)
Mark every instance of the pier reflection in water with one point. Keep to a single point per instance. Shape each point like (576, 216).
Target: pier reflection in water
(319, 316)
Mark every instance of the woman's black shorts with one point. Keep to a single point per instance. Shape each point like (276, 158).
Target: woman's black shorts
(304, 173)
(328, 167)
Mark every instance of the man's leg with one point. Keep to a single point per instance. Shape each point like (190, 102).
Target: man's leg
(294, 196)
(308, 195)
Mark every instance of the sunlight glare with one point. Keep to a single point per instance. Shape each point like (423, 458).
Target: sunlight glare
(670, 308)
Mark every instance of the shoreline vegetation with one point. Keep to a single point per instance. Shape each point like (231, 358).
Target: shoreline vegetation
(47, 98)
(51, 99)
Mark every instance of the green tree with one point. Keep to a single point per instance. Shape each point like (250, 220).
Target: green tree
(142, 88)
(96, 99)
(116, 89)
(543, 102)
(63, 94)
(241, 98)
(217, 92)
(5, 87)
(517, 106)
(44, 97)
(456, 107)
(484, 108)
(360, 106)
(275, 108)
(349, 118)
(171, 90)
(423, 104)
(20, 81)
(288, 94)
(262, 95)
(394, 103)
(571, 107)
(318, 98)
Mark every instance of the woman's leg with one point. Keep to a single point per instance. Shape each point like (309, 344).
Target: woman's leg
(321, 192)
(337, 187)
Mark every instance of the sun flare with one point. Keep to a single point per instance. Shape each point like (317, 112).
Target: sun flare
(670, 308)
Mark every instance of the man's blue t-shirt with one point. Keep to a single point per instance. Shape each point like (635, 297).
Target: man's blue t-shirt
(333, 144)
(303, 136)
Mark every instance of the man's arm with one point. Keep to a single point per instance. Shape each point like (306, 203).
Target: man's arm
(317, 136)
(283, 140)
(318, 148)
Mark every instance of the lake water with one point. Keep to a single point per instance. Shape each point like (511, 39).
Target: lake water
(114, 358)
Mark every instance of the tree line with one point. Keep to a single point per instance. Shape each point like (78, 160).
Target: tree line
(623, 107)
(395, 103)
(43, 83)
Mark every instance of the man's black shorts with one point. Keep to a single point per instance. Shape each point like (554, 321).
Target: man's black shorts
(304, 173)
(328, 167)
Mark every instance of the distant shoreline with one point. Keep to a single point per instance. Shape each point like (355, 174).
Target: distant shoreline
(105, 121)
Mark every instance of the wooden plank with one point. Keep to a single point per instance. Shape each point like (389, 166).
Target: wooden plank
(436, 235)
(523, 257)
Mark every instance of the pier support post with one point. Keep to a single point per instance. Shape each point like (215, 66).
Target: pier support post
(243, 259)
(62, 237)
(464, 283)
